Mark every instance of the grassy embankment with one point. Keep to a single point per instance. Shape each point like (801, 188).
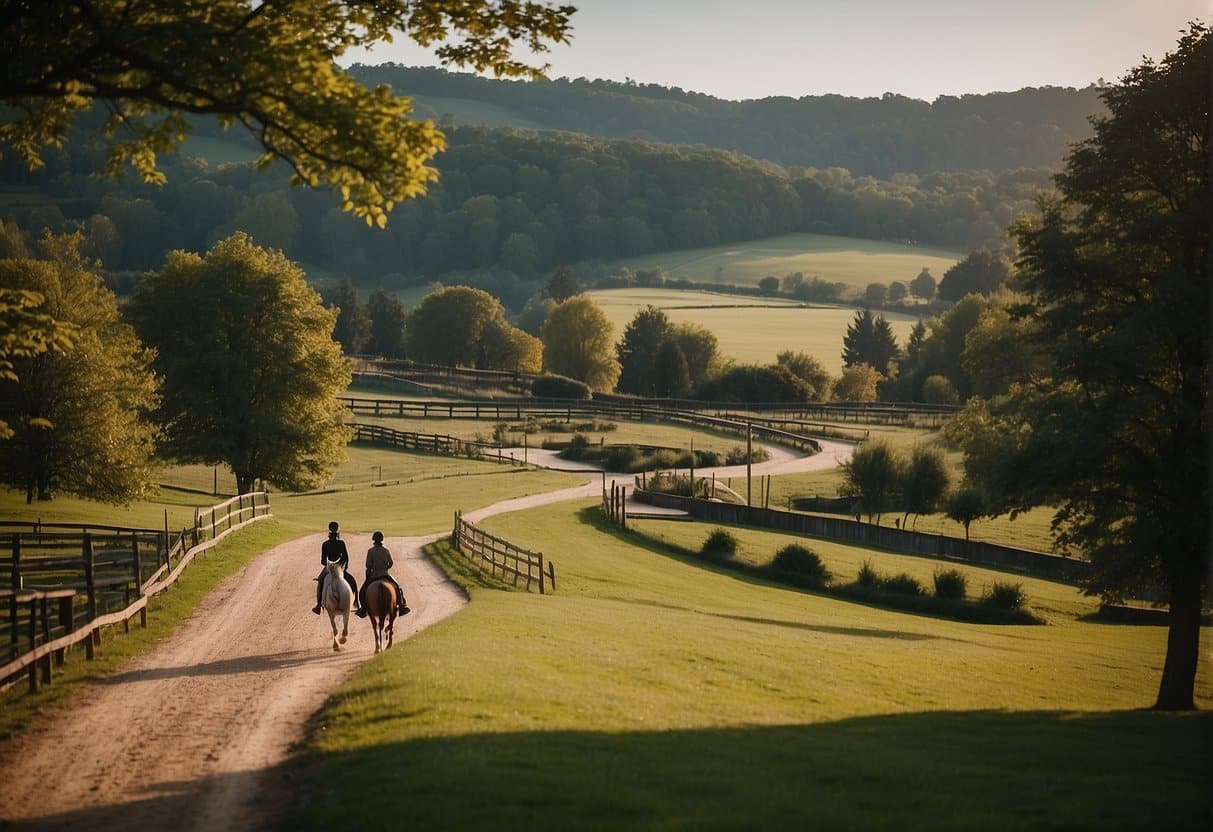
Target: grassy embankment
(655, 691)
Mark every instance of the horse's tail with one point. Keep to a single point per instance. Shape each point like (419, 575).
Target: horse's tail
(381, 599)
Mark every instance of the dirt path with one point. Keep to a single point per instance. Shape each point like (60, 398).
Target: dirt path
(189, 736)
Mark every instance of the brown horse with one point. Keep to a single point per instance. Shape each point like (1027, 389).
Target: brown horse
(381, 611)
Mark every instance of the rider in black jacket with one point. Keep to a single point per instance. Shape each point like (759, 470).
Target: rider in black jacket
(331, 550)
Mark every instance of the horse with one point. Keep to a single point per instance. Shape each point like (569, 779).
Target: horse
(337, 597)
(381, 610)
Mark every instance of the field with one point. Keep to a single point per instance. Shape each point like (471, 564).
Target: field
(847, 260)
(655, 691)
(747, 329)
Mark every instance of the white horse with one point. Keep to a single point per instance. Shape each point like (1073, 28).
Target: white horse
(337, 597)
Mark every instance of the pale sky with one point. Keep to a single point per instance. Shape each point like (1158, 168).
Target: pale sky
(918, 48)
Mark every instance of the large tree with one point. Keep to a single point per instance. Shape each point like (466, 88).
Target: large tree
(387, 324)
(78, 408)
(1117, 271)
(637, 351)
(869, 340)
(577, 342)
(251, 371)
(353, 328)
(270, 66)
(462, 326)
(979, 273)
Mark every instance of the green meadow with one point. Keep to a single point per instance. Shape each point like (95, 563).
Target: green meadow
(846, 260)
(655, 691)
(749, 330)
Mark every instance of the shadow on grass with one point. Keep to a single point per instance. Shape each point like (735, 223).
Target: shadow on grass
(969, 611)
(937, 770)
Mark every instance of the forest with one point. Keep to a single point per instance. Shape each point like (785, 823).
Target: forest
(512, 204)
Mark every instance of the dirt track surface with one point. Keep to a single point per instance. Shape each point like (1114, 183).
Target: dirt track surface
(190, 735)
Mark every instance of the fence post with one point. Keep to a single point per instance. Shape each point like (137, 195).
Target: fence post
(45, 661)
(67, 623)
(33, 642)
(16, 581)
(138, 577)
(528, 571)
(90, 584)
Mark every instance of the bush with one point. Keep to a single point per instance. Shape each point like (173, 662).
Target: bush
(867, 577)
(720, 544)
(576, 448)
(737, 456)
(802, 562)
(950, 584)
(1006, 596)
(560, 387)
(624, 458)
(902, 584)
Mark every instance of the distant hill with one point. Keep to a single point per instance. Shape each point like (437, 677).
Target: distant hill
(876, 137)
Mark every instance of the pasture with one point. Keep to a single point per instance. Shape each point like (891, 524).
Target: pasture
(749, 330)
(653, 690)
(848, 260)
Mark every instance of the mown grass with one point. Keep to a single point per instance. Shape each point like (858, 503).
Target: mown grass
(847, 260)
(749, 333)
(653, 690)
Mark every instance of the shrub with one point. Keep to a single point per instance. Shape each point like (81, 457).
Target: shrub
(559, 387)
(950, 584)
(625, 458)
(902, 584)
(576, 448)
(720, 544)
(867, 576)
(663, 458)
(737, 456)
(802, 562)
(1006, 596)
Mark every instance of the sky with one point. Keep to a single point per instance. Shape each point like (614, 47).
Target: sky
(917, 48)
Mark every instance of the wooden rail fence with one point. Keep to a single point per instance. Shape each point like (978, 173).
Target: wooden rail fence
(67, 582)
(497, 555)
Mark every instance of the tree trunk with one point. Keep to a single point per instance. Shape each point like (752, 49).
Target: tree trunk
(1175, 693)
(244, 483)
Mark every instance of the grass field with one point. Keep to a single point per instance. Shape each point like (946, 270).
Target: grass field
(749, 330)
(652, 691)
(846, 260)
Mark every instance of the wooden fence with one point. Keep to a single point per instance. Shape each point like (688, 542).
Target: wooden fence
(498, 556)
(614, 505)
(437, 443)
(67, 582)
(569, 410)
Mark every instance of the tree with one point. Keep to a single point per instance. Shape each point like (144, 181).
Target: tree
(448, 324)
(937, 389)
(79, 407)
(769, 285)
(769, 383)
(808, 368)
(504, 347)
(253, 382)
(923, 286)
(670, 371)
(875, 295)
(965, 506)
(353, 327)
(981, 272)
(869, 341)
(562, 285)
(387, 324)
(857, 384)
(699, 347)
(897, 292)
(873, 474)
(577, 342)
(1000, 350)
(277, 76)
(1117, 273)
(925, 482)
(637, 351)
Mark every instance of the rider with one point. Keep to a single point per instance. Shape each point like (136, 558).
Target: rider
(378, 562)
(333, 549)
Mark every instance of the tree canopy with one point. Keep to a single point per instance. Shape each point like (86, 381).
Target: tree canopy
(78, 408)
(251, 371)
(1117, 274)
(578, 343)
(269, 66)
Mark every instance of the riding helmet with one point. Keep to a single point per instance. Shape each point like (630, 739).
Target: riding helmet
(377, 537)
(333, 527)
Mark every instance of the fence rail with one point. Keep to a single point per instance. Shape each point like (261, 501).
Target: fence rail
(97, 576)
(498, 555)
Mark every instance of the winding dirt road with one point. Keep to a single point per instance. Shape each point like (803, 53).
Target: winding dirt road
(190, 735)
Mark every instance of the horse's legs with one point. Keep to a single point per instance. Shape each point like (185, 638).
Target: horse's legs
(391, 631)
(345, 625)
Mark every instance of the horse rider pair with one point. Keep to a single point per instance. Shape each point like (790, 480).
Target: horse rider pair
(378, 562)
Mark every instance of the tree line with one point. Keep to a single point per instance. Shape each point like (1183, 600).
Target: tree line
(509, 207)
(877, 137)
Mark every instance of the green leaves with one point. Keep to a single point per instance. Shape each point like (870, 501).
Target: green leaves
(268, 66)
